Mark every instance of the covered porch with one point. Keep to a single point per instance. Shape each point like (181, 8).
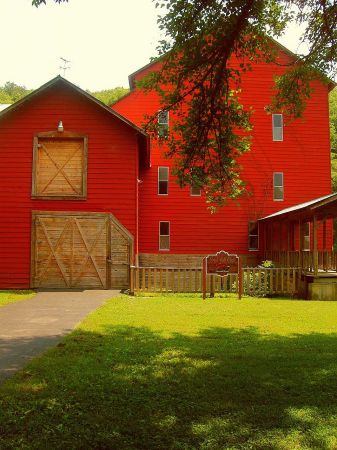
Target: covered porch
(302, 236)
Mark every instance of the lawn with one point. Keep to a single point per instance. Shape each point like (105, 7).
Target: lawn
(7, 297)
(177, 372)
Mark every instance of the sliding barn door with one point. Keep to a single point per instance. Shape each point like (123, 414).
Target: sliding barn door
(70, 250)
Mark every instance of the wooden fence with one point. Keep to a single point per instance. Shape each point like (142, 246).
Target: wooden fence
(256, 281)
(327, 261)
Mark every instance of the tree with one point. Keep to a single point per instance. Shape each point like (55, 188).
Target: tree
(40, 2)
(11, 92)
(201, 89)
(110, 96)
(333, 121)
(199, 86)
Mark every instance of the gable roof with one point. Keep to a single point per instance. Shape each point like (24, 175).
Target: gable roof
(331, 84)
(60, 80)
(143, 139)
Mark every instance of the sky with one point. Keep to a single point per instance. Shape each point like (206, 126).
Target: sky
(105, 40)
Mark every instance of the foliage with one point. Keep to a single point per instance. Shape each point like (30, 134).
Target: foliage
(267, 264)
(7, 297)
(110, 96)
(177, 372)
(201, 88)
(11, 92)
(333, 120)
(44, 2)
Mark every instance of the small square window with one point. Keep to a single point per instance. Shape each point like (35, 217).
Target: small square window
(163, 124)
(277, 120)
(164, 235)
(278, 186)
(163, 176)
(195, 190)
(253, 236)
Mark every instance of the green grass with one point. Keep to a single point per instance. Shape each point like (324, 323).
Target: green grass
(7, 297)
(177, 372)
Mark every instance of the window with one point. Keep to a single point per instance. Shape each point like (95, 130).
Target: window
(59, 167)
(163, 174)
(253, 236)
(277, 127)
(163, 123)
(278, 186)
(306, 236)
(195, 190)
(164, 235)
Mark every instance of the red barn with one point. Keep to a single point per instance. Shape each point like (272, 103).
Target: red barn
(68, 169)
(83, 195)
(289, 163)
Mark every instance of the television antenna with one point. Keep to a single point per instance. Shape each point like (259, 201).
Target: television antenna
(65, 66)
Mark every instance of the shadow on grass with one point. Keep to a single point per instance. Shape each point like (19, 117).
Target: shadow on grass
(132, 388)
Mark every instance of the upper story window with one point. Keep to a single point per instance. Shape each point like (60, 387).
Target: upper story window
(59, 165)
(195, 190)
(163, 123)
(277, 127)
(164, 235)
(253, 235)
(163, 177)
(278, 183)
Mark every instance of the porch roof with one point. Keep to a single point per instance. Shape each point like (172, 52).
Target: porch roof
(322, 207)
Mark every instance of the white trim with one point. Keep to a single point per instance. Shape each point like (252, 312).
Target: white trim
(167, 123)
(195, 195)
(257, 235)
(165, 235)
(275, 129)
(278, 186)
(167, 181)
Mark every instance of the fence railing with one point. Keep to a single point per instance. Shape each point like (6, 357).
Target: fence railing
(327, 261)
(256, 281)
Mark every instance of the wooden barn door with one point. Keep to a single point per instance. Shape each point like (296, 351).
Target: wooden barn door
(70, 250)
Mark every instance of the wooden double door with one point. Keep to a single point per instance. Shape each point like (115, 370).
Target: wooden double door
(79, 250)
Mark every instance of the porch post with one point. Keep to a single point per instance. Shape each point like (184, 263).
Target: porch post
(265, 239)
(325, 263)
(300, 238)
(288, 243)
(315, 226)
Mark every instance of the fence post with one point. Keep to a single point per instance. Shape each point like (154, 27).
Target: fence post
(132, 285)
(239, 279)
(204, 280)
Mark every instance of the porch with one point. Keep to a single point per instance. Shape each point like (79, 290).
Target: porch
(302, 236)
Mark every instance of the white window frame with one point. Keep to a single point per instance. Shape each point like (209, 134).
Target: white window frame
(251, 249)
(275, 129)
(191, 191)
(278, 186)
(163, 124)
(159, 180)
(165, 235)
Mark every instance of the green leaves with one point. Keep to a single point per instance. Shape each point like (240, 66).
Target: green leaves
(200, 86)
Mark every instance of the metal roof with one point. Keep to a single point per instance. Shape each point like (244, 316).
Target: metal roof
(143, 137)
(60, 79)
(311, 205)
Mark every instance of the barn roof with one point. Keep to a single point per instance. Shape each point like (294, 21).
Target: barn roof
(143, 138)
(331, 83)
(325, 206)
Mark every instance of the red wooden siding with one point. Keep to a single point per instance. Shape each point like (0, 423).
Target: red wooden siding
(303, 157)
(112, 171)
